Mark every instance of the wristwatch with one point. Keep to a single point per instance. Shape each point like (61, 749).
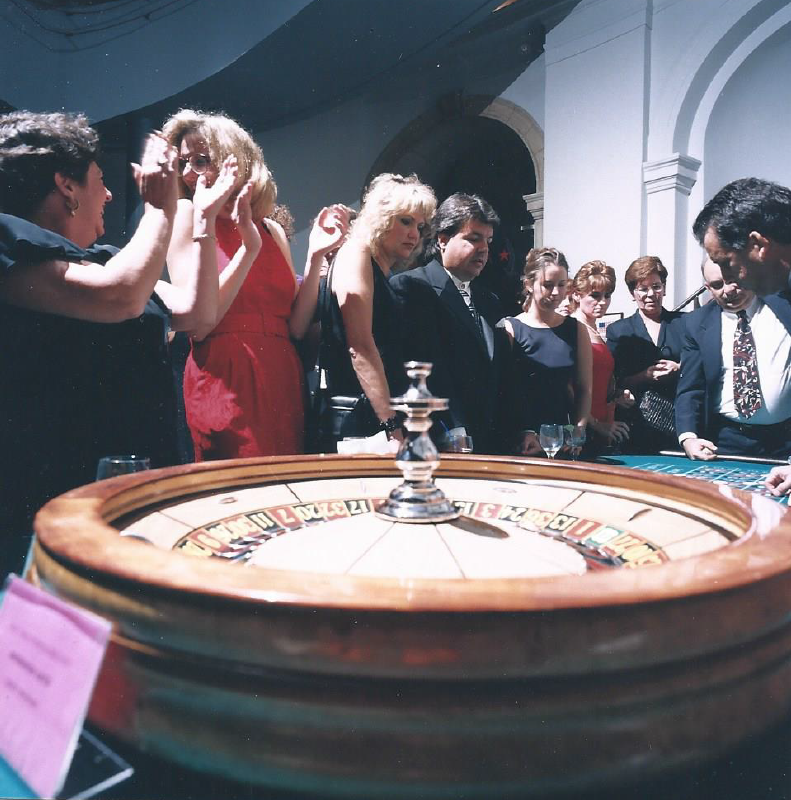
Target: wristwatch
(390, 426)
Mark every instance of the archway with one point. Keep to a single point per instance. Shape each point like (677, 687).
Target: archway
(483, 146)
(675, 178)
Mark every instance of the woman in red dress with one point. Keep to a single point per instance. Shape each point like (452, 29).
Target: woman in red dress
(243, 382)
(593, 286)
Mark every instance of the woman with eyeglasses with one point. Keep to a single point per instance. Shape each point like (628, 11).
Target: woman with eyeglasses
(243, 381)
(647, 352)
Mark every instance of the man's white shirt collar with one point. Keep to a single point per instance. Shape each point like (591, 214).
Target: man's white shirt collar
(462, 286)
(752, 309)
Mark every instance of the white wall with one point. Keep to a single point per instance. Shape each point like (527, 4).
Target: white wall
(595, 134)
(754, 109)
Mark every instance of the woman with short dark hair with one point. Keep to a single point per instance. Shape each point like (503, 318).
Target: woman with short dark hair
(647, 352)
(84, 362)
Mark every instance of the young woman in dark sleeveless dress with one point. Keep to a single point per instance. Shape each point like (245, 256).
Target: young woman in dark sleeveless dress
(550, 377)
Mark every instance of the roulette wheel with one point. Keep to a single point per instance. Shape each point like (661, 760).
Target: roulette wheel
(578, 625)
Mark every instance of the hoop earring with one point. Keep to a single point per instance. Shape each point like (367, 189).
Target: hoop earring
(73, 209)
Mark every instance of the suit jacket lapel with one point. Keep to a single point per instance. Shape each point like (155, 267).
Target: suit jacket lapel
(638, 326)
(449, 295)
(781, 306)
(711, 344)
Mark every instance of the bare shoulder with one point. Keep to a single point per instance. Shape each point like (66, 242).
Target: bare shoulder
(281, 240)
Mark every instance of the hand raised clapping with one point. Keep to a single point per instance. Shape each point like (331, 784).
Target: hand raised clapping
(243, 219)
(155, 175)
(329, 229)
(207, 199)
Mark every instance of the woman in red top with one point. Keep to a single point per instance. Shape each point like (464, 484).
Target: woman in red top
(243, 382)
(594, 284)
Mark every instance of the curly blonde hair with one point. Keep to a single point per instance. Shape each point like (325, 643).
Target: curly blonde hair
(387, 196)
(225, 137)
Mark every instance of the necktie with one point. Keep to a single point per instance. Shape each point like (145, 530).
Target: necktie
(746, 386)
(467, 297)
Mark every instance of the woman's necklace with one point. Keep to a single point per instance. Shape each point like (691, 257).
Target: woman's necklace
(589, 327)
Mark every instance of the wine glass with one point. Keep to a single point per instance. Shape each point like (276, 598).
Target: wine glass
(110, 466)
(551, 439)
(575, 439)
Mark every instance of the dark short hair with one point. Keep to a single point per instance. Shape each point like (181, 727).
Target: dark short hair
(33, 147)
(743, 206)
(641, 268)
(455, 212)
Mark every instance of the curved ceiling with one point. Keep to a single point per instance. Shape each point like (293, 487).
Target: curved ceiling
(334, 50)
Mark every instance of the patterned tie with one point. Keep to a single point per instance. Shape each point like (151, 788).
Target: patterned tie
(746, 386)
(467, 297)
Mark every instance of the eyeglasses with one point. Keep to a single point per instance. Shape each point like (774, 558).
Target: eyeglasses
(198, 164)
(656, 288)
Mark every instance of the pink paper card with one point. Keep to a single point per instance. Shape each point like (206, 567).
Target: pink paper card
(50, 654)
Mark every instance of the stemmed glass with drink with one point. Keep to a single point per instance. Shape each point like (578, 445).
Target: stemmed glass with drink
(550, 438)
(575, 439)
(112, 467)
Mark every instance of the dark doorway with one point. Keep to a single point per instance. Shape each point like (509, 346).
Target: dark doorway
(483, 156)
(489, 159)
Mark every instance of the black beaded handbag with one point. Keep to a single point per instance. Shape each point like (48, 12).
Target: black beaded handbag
(658, 412)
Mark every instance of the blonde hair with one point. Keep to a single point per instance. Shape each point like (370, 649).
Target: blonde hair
(387, 196)
(225, 137)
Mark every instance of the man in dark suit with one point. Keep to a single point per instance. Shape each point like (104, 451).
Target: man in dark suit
(449, 320)
(710, 419)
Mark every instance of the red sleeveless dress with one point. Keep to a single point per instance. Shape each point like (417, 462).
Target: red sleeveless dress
(603, 366)
(244, 384)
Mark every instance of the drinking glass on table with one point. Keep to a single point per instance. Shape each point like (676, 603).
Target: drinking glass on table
(111, 466)
(550, 438)
(457, 442)
(575, 439)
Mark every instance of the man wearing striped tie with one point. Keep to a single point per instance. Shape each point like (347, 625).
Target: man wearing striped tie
(450, 320)
(746, 230)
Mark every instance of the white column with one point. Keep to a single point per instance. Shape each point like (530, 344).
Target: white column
(596, 120)
(535, 205)
(668, 182)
